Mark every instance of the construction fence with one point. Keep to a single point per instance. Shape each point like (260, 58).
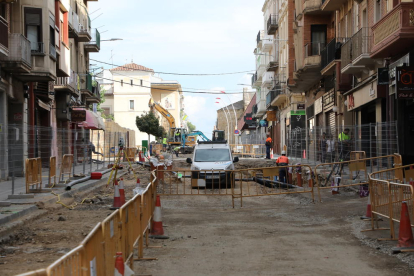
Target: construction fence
(126, 230)
(42, 154)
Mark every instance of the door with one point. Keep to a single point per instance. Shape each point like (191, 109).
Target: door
(318, 38)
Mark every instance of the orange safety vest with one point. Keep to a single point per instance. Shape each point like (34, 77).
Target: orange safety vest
(282, 160)
(269, 140)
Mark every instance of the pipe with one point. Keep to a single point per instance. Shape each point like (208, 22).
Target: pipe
(143, 164)
(86, 178)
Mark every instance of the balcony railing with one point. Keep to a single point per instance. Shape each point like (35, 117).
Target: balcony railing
(254, 110)
(361, 43)
(332, 51)
(254, 79)
(346, 58)
(68, 83)
(19, 52)
(314, 49)
(259, 37)
(4, 34)
(356, 51)
(276, 91)
(272, 24)
(37, 48)
(95, 44)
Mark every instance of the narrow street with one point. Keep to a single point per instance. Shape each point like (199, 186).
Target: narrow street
(279, 235)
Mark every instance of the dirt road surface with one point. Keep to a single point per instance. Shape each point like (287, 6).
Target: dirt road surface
(277, 235)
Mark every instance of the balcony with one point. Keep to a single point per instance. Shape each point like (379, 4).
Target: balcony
(254, 111)
(272, 24)
(355, 53)
(68, 84)
(267, 43)
(261, 65)
(73, 24)
(96, 95)
(268, 79)
(259, 39)
(313, 55)
(4, 36)
(95, 45)
(52, 51)
(394, 33)
(19, 59)
(84, 34)
(330, 54)
(312, 6)
(332, 5)
(256, 82)
(273, 64)
(86, 86)
(277, 96)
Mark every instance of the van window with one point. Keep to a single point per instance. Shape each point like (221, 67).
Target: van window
(212, 155)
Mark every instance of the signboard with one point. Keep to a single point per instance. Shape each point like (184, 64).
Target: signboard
(18, 116)
(318, 106)
(263, 123)
(236, 132)
(301, 106)
(351, 102)
(383, 76)
(78, 115)
(405, 82)
(271, 116)
(248, 119)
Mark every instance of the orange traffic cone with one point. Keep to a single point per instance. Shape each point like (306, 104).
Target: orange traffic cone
(119, 265)
(304, 154)
(405, 236)
(271, 154)
(138, 183)
(122, 191)
(157, 231)
(117, 198)
(369, 211)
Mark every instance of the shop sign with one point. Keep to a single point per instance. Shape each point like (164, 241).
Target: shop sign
(248, 119)
(18, 116)
(318, 106)
(263, 123)
(300, 106)
(271, 116)
(78, 115)
(405, 82)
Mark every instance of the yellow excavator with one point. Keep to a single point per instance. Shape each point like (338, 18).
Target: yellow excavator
(175, 134)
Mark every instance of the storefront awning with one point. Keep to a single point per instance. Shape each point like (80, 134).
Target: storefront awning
(91, 122)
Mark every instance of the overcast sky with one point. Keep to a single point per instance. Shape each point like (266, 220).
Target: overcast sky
(184, 36)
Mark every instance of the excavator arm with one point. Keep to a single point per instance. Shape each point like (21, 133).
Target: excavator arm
(167, 115)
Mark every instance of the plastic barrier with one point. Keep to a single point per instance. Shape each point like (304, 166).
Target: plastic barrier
(33, 175)
(66, 167)
(338, 175)
(122, 231)
(249, 150)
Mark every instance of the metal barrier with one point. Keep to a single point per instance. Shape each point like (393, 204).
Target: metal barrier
(33, 175)
(352, 169)
(387, 195)
(249, 150)
(52, 171)
(267, 181)
(235, 183)
(66, 167)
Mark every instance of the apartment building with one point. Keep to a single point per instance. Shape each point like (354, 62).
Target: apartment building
(128, 89)
(44, 65)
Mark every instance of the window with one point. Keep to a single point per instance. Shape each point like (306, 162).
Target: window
(318, 38)
(33, 28)
(132, 82)
(3, 10)
(141, 82)
(212, 155)
(377, 10)
(122, 82)
(131, 105)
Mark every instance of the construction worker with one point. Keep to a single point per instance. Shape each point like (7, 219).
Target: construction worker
(268, 145)
(177, 136)
(282, 161)
(344, 140)
(164, 144)
(177, 150)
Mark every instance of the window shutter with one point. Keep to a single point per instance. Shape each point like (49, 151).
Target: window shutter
(33, 19)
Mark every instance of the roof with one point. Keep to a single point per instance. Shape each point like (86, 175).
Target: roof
(132, 67)
(237, 105)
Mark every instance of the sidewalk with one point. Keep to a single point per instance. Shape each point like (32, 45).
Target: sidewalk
(21, 207)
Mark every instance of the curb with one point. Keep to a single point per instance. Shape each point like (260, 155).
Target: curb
(65, 194)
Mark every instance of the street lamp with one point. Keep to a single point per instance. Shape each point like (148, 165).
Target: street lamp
(227, 119)
(112, 39)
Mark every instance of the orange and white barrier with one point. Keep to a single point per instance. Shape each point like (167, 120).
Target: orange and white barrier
(122, 191)
(157, 230)
(117, 197)
(405, 236)
(369, 210)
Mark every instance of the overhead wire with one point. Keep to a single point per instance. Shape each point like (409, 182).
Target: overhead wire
(178, 74)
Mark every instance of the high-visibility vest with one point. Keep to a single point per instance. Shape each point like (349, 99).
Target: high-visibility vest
(282, 160)
(269, 140)
(164, 141)
(343, 137)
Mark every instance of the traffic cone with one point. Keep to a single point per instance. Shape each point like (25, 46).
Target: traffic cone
(117, 198)
(138, 183)
(157, 230)
(271, 154)
(369, 211)
(122, 191)
(304, 154)
(119, 265)
(405, 236)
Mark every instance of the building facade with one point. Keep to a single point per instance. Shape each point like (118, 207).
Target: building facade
(44, 67)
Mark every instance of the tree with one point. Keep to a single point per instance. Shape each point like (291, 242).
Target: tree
(191, 127)
(149, 124)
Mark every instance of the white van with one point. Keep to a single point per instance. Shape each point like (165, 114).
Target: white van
(212, 165)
